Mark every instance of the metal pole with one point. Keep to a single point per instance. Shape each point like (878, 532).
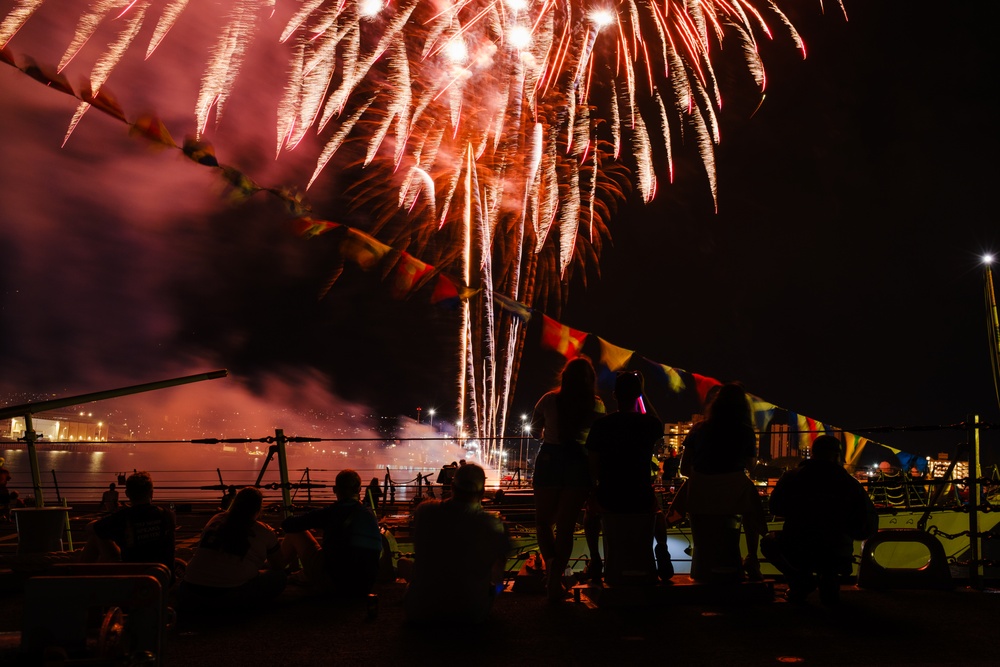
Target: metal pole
(975, 489)
(286, 494)
(36, 476)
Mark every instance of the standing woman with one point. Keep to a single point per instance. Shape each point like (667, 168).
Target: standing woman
(562, 475)
(721, 497)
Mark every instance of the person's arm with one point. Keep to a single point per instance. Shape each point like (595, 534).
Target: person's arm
(275, 559)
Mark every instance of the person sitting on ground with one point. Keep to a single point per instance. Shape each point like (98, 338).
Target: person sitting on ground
(227, 571)
(620, 446)
(347, 564)
(15, 501)
(109, 499)
(460, 552)
(719, 497)
(137, 533)
(825, 511)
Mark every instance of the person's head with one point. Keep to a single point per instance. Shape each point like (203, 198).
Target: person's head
(469, 484)
(578, 377)
(347, 484)
(14, 495)
(111, 486)
(730, 405)
(628, 389)
(139, 487)
(231, 490)
(827, 448)
(246, 504)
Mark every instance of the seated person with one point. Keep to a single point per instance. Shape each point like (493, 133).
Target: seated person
(109, 499)
(347, 564)
(825, 511)
(227, 570)
(460, 552)
(137, 533)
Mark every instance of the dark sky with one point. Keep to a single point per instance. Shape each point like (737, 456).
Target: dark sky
(840, 277)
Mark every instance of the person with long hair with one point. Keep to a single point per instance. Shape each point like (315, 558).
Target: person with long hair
(238, 563)
(720, 496)
(562, 478)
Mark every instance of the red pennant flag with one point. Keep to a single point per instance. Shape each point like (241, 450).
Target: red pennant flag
(408, 275)
(449, 292)
(559, 337)
(152, 128)
(103, 101)
(703, 385)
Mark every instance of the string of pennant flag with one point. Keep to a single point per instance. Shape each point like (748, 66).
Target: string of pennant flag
(405, 274)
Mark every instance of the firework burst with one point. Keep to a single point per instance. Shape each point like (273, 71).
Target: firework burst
(509, 126)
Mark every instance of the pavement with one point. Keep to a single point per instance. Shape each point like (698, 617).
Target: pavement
(684, 623)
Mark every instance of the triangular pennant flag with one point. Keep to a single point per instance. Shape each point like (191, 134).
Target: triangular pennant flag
(614, 358)
(449, 292)
(515, 308)
(559, 337)
(364, 250)
(201, 152)
(704, 384)
(853, 446)
(103, 101)
(152, 128)
(408, 275)
(763, 412)
(310, 227)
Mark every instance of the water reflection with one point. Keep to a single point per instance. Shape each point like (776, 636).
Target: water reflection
(179, 469)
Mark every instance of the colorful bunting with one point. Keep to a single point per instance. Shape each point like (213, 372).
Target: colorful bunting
(363, 249)
(559, 337)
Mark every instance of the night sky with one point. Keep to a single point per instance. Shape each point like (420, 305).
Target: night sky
(840, 277)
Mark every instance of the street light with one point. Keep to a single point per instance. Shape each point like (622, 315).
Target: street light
(430, 413)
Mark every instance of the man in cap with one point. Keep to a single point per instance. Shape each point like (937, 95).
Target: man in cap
(460, 554)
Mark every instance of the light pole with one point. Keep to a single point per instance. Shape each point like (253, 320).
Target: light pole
(430, 413)
(418, 414)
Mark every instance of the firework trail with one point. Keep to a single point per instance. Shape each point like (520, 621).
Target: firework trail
(509, 128)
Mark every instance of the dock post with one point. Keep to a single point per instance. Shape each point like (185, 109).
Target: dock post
(69, 533)
(975, 497)
(36, 478)
(286, 496)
